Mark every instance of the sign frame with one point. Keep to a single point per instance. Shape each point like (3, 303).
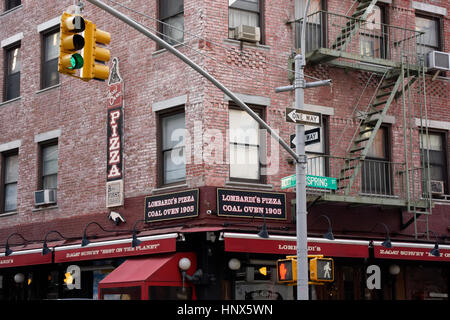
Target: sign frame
(249, 193)
(172, 215)
(303, 113)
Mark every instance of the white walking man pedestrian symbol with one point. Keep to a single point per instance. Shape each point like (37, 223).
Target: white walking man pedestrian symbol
(326, 270)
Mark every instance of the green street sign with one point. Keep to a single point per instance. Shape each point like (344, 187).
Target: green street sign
(311, 181)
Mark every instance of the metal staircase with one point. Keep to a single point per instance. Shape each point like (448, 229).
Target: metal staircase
(387, 91)
(361, 13)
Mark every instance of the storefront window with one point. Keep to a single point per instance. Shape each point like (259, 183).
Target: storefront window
(122, 293)
(169, 293)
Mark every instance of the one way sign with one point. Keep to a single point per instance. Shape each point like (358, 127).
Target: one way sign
(303, 117)
(311, 136)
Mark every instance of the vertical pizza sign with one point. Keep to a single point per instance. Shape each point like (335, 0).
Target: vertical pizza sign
(114, 167)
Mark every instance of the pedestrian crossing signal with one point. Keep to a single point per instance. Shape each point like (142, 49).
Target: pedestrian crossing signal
(287, 271)
(321, 269)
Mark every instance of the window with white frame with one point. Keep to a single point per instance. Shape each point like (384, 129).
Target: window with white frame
(49, 74)
(49, 165)
(12, 77)
(243, 12)
(171, 14)
(244, 146)
(173, 163)
(430, 40)
(10, 165)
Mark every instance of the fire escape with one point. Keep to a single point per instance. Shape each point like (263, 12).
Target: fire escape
(389, 54)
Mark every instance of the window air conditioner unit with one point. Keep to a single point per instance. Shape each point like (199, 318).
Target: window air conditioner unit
(438, 60)
(437, 187)
(47, 196)
(247, 33)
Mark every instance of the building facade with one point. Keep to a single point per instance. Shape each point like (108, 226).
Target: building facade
(154, 184)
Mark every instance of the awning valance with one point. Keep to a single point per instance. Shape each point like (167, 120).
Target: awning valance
(116, 248)
(277, 244)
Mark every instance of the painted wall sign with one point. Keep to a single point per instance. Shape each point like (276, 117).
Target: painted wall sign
(171, 206)
(240, 203)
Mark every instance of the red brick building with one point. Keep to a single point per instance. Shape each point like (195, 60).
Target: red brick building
(193, 176)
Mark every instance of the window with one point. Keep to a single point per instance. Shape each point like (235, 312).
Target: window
(315, 152)
(374, 35)
(171, 13)
(12, 4)
(376, 170)
(244, 12)
(245, 146)
(172, 148)
(430, 40)
(49, 165)
(12, 78)
(433, 148)
(50, 75)
(314, 31)
(10, 164)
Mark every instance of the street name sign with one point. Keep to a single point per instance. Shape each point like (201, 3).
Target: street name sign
(311, 181)
(303, 117)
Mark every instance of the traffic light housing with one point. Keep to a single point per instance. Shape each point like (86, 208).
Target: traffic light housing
(94, 55)
(321, 269)
(71, 41)
(287, 270)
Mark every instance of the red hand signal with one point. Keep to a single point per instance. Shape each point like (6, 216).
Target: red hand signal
(283, 271)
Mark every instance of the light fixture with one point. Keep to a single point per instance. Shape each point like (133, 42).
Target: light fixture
(184, 264)
(136, 242)
(329, 235)
(386, 243)
(85, 241)
(8, 250)
(19, 278)
(435, 251)
(263, 232)
(394, 269)
(45, 248)
(234, 264)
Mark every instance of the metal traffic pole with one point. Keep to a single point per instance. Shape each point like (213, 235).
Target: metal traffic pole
(300, 168)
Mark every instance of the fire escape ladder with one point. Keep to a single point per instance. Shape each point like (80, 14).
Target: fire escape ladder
(361, 13)
(368, 128)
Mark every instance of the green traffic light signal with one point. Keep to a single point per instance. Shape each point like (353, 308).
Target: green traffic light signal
(76, 61)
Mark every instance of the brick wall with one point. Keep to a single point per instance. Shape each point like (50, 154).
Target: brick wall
(151, 75)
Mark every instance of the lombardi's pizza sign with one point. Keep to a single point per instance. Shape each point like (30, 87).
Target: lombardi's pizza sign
(114, 168)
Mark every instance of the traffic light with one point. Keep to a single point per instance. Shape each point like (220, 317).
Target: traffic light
(321, 269)
(94, 55)
(287, 270)
(71, 41)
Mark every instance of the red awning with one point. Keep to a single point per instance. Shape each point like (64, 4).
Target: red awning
(24, 258)
(155, 269)
(411, 251)
(116, 248)
(275, 244)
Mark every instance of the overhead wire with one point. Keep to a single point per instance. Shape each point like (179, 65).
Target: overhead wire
(242, 53)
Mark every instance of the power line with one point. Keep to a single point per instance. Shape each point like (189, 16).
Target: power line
(201, 38)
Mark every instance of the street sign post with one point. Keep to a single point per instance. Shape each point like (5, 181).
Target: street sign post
(311, 181)
(303, 117)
